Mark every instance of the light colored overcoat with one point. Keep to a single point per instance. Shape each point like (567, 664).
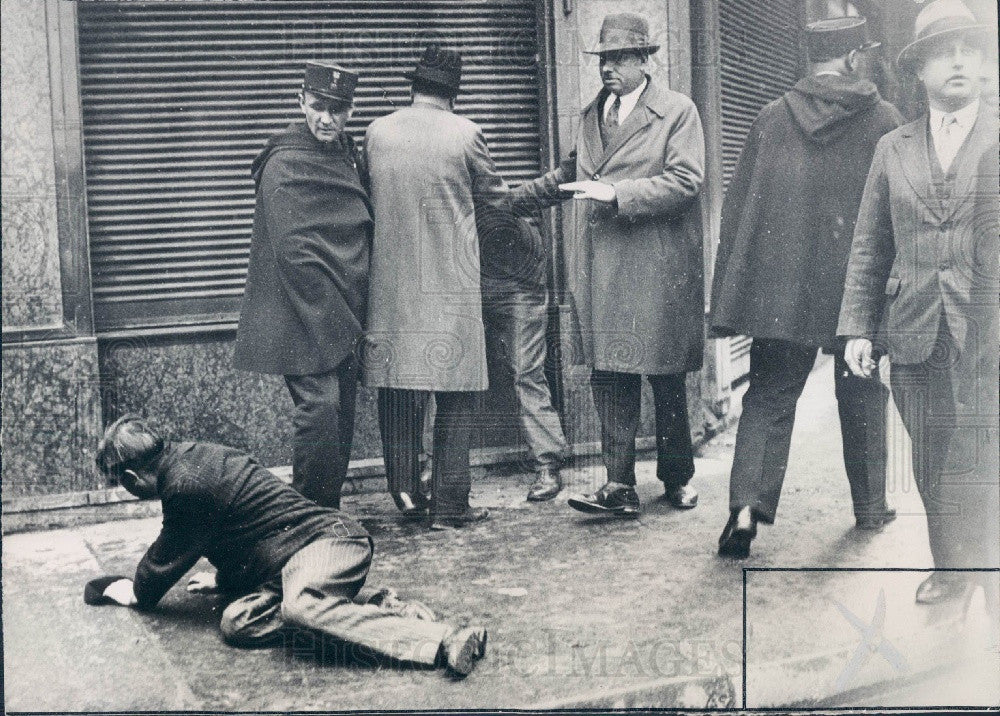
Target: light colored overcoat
(635, 274)
(429, 168)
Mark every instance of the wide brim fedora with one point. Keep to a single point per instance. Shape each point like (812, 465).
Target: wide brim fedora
(624, 31)
(606, 47)
(959, 22)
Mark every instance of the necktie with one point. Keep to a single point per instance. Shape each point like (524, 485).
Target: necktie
(612, 119)
(948, 141)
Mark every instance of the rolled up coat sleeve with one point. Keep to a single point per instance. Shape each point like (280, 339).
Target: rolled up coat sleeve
(682, 177)
(873, 251)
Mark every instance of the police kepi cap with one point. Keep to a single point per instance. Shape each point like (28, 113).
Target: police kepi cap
(940, 19)
(836, 36)
(330, 80)
(440, 67)
(624, 31)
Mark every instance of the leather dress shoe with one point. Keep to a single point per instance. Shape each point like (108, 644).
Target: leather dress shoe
(412, 506)
(738, 533)
(470, 516)
(547, 485)
(613, 498)
(941, 587)
(682, 497)
(462, 648)
(875, 520)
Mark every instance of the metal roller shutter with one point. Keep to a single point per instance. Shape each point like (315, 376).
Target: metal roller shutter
(178, 97)
(761, 59)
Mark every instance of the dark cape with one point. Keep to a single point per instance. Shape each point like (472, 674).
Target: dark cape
(789, 212)
(307, 286)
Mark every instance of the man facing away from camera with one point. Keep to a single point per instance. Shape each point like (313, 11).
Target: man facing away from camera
(922, 284)
(289, 562)
(307, 284)
(430, 173)
(785, 235)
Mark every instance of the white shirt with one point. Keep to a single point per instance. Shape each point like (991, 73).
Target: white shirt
(628, 102)
(948, 134)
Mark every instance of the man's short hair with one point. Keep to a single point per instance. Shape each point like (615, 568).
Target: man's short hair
(128, 444)
(433, 89)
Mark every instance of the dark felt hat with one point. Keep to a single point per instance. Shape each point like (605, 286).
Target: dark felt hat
(624, 31)
(836, 36)
(93, 592)
(940, 19)
(440, 67)
(329, 80)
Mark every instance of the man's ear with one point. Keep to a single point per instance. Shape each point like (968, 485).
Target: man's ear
(852, 58)
(302, 100)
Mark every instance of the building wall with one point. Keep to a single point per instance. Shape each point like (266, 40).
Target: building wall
(31, 287)
(61, 384)
(50, 397)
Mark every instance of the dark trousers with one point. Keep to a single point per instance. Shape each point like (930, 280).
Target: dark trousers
(401, 419)
(324, 428)
(948, 404)
(515, 323)
(617, 397)
(778, 373)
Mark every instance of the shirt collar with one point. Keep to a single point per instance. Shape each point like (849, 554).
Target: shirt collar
(965, 117)
(628, 101)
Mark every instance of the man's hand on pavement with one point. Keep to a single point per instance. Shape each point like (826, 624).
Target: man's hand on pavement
(203, 583)
(596, 190)
(121, 593)
(858, 355)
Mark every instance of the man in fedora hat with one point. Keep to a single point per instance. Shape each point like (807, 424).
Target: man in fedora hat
(922, 285)
(634, 266)
(430, 174)
(786, 229)
(307, 284)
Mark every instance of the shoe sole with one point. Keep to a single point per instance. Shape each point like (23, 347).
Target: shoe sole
(737, 546)
(542, 498)
(682, 506)
(592, 509)
(473, 648)
(446, 525)
(872, 526)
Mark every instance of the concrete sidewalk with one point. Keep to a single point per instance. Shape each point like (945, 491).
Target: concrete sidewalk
(582, 612)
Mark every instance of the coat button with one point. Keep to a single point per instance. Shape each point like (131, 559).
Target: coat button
(596, 177)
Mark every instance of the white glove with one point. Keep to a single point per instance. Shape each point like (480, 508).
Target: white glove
(121, 593)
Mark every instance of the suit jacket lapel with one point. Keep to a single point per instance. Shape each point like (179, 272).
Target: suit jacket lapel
(966, 162)
(592, 131)
(914, 155)
(637, 119)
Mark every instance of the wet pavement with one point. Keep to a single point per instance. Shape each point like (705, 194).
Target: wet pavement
(581, 611)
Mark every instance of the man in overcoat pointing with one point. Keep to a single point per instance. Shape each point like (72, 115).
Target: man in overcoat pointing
(634, 262)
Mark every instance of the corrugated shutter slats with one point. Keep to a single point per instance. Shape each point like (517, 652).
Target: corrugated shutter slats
(178, 97)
